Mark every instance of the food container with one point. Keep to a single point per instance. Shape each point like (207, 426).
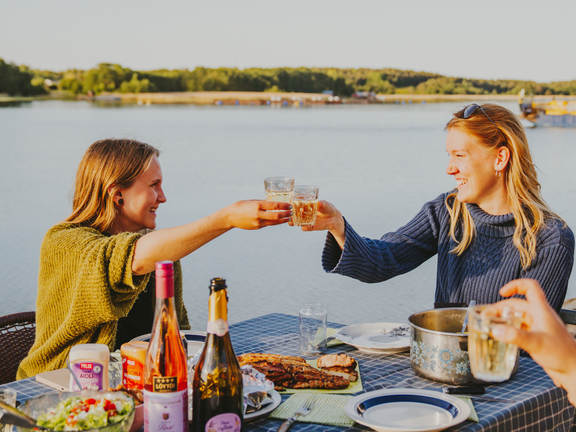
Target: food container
(438, 349)
(40, 404)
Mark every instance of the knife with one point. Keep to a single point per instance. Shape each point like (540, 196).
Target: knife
(464, 390)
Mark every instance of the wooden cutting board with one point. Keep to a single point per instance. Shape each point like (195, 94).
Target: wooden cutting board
(58, 379)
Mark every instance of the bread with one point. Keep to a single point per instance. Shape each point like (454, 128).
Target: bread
(336, 360)
(339, 365)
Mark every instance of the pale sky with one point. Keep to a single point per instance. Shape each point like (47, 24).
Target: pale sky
(488, 39)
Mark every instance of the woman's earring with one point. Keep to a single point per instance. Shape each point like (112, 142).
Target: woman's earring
(498, 173)
(120, 201)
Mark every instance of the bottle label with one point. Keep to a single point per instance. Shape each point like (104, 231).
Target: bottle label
(166, 412)
(218, 327)
(164, 384)
(228, 422)
(90, 374)
(132, 372)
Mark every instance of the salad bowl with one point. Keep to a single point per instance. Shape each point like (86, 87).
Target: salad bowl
(53, 412)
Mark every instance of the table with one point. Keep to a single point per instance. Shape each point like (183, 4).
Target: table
(541, 405)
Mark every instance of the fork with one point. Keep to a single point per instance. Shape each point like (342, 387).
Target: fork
(302, 411)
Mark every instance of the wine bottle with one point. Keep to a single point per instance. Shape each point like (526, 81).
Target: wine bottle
(165, 369)
(217, 399)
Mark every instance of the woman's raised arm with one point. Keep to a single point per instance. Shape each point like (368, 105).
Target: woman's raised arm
(176, 243)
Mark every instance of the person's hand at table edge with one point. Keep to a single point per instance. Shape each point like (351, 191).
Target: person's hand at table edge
(543, 335)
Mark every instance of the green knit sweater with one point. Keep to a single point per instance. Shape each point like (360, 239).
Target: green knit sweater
(85, 286)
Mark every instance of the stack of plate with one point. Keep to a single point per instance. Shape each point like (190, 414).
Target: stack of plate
(375, 338)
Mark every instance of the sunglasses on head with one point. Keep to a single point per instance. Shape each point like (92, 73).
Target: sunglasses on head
(472, 108)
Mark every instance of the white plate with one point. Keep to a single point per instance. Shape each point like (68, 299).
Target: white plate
(372, 338)
(194, 339)
(276, 399)
(407, 410)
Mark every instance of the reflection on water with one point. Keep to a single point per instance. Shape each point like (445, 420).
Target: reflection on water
(377, 164)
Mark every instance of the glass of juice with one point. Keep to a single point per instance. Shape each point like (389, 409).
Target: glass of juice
(279, 189)
(490, 359)
(304, 205)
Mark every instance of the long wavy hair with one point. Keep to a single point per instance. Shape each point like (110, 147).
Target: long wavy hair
(520, 179)
(107, 165)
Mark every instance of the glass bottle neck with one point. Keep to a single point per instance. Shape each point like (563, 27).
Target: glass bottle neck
(218, 306)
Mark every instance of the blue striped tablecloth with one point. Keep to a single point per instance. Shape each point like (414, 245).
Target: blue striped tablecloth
(541, 405)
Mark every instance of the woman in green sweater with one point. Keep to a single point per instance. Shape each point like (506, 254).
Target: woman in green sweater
(96, 282)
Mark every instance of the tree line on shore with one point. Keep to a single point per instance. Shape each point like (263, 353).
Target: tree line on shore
(20, 80)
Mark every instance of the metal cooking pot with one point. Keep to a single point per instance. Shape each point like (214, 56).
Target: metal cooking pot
(438, 351)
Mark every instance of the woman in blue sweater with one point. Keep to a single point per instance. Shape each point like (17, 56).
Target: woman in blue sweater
(494, 228)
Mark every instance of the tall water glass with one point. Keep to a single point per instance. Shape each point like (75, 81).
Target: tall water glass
(490, 359)
(313, 328)
(8, 396)
(279, 189)
(304, 205)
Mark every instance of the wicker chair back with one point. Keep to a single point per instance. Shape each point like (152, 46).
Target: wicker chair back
(16, 337)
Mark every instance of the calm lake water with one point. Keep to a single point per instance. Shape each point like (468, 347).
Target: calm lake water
(378, 164)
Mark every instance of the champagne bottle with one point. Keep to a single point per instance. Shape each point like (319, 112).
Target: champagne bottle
(165, 369)
(217, 399)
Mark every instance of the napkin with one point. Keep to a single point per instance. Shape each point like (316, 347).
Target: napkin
(329, 332)
(332, 332)
(328, 409)
(473, 415)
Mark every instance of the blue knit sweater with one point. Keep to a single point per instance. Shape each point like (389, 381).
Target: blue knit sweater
(488, 263)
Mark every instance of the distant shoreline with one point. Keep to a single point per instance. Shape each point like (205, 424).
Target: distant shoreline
(269, 98)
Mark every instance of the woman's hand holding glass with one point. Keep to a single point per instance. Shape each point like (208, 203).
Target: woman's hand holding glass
(544, 335)
(328, 218)
(256, 214)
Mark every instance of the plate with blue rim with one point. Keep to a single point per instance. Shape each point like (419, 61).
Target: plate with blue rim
(407, 410)
(194, 339)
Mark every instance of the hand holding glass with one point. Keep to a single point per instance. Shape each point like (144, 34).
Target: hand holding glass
(304, 205)
(491, 360)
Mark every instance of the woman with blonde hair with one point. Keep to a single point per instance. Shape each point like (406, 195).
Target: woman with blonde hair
(96, 282)
(495, 227)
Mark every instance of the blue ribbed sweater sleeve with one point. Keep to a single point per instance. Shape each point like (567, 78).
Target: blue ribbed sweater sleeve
(394, 254)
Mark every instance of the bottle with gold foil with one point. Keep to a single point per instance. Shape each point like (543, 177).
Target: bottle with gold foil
(217, 399)
(165, 369)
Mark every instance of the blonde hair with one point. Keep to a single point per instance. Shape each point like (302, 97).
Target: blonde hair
(107, 165)
(520, 179)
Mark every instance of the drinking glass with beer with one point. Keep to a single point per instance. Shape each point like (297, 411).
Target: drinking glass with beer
(304, 205)
(490, 359)
(279, 189)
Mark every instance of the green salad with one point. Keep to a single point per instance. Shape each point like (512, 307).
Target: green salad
(76, 414)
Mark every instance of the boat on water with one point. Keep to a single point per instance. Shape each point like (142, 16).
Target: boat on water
(558, 113)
